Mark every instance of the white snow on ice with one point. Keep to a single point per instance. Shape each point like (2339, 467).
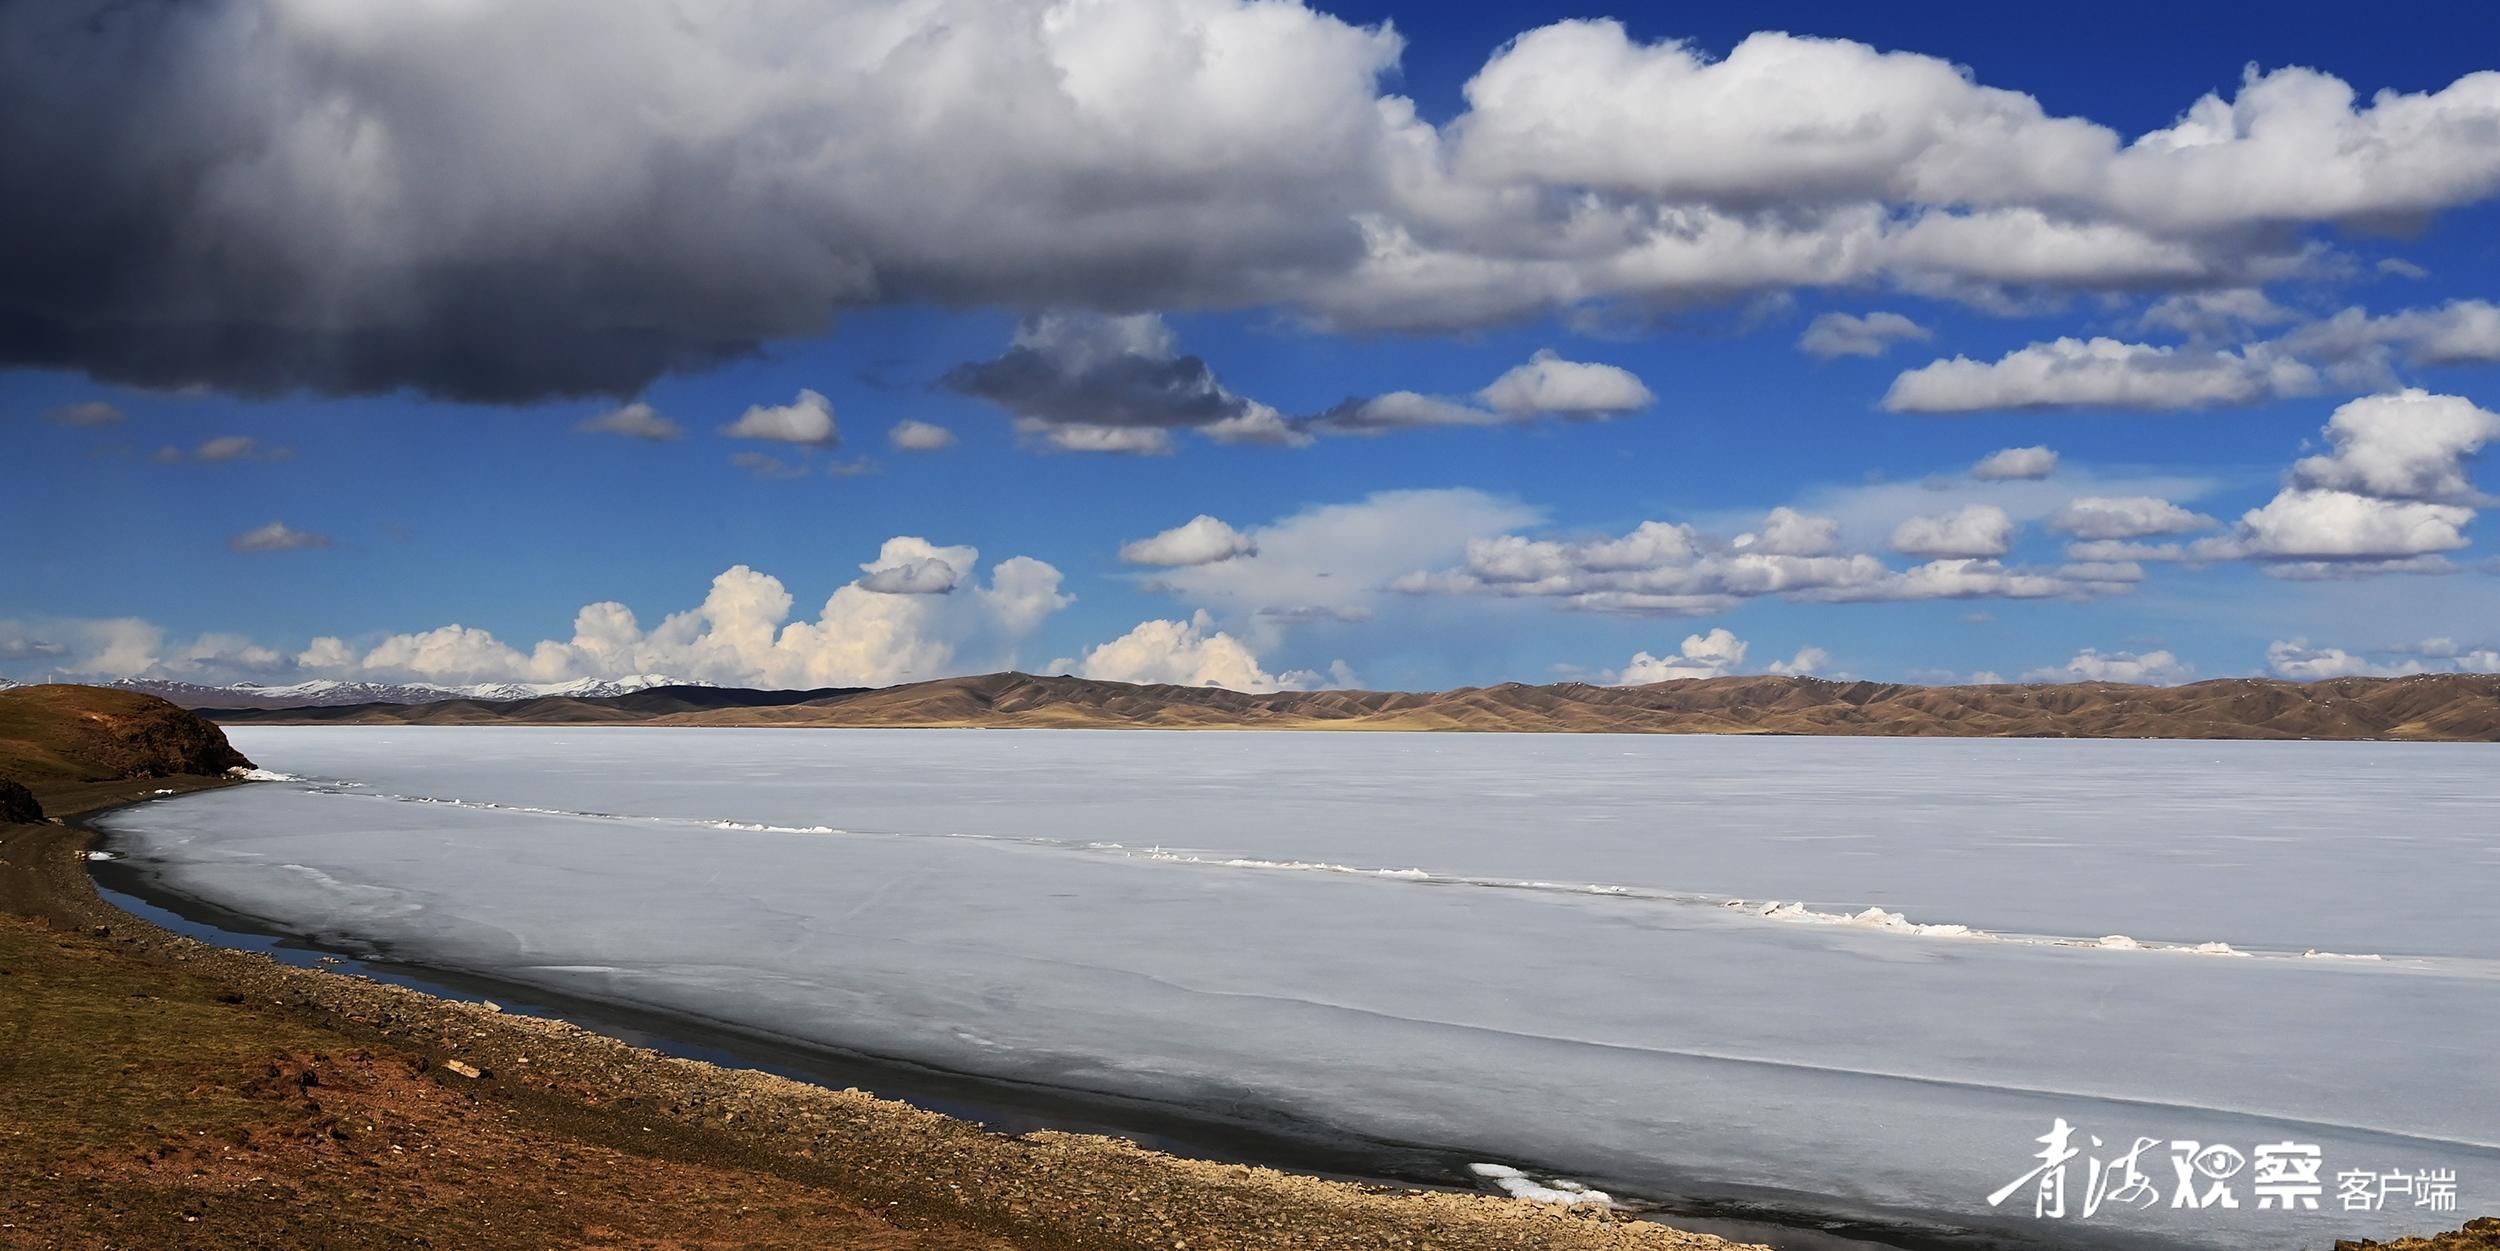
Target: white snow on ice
(1519, 1185)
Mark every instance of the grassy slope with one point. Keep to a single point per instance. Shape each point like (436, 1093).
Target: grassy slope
(147, 1107)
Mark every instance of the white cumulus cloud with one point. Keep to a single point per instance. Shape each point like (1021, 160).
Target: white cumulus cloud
(1674, 569)
(2406, 445)
(2155, 668)
(1713, 654)
(1975, 530)
(2015, 464)
(634, 421)
(277, 536)
(744, 632)
(2125, 517)
(1179, 653)
(1786, 532)
(807, 420)
(2100, 373)
(2295, 659)
(1843, 334)
(911, 435)
(1202, 540)
(1548, 385)
(2336, 525)
(910, 565)
(1337, 561)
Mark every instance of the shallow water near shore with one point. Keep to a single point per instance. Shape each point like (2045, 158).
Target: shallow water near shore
(1854, 977)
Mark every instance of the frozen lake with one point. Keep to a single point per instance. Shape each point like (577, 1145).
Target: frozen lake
(1645, 963)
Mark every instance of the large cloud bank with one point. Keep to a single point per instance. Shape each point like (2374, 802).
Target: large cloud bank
(575, 196)
(917, 611)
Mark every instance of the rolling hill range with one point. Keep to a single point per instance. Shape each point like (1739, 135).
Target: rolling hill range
(2442, 707)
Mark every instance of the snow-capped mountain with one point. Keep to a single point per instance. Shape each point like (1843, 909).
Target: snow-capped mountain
(328, 692)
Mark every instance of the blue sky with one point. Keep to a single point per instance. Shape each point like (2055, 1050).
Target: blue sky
(414, 496)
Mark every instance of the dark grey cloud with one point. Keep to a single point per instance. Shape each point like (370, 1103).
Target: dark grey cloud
(262, 197)
(1128, 391)
(1095, 383)
(166, 225)
(1074, 370)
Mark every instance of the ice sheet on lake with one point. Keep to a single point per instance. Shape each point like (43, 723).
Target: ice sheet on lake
(1518, 948)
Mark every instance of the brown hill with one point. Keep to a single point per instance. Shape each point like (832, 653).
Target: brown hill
(53, 737)
(2448, 707)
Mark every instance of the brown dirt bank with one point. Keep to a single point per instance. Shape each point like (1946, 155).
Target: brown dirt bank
(70, 736)
(156, 1091)
(2429, 708)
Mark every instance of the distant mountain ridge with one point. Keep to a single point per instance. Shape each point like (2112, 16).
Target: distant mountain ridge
(2440, 707)
(330, 692)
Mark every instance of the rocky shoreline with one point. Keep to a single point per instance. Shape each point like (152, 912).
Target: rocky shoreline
(908, 1168)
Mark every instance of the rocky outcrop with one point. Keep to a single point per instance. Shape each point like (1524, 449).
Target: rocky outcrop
(64, 735)
(18, 804)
